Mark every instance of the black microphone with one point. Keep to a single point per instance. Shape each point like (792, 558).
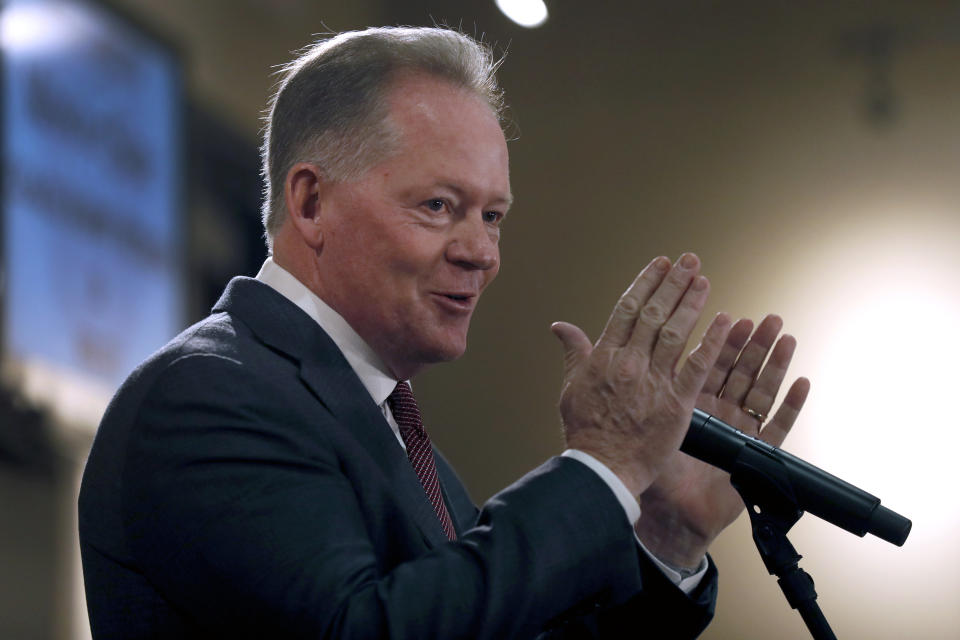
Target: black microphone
(815, 491)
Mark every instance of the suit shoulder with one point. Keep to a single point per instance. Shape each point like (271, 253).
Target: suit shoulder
(219, 333)
(218, 346)
(219, 336)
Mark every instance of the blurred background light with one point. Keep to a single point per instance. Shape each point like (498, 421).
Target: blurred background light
(31, 27)
(526, 13)
(875, 308)
(888, 363)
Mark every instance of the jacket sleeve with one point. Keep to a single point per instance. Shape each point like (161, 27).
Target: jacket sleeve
(659, 610)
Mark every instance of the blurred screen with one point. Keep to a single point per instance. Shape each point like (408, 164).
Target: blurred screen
(91, 174)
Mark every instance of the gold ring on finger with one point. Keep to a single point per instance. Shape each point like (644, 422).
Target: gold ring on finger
(762, 417)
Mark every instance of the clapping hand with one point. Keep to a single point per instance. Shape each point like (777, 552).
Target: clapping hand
(691, 502)
(624, 401)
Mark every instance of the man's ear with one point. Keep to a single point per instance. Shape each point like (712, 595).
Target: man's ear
(302, 190)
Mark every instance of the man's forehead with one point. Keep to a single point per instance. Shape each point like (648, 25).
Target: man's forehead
(420, 99)
(453, 132)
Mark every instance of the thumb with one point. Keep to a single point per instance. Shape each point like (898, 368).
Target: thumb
(576, 345)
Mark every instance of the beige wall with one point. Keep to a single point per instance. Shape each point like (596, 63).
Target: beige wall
(736, 130)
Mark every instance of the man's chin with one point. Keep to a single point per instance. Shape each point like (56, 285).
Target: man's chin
(447, 352)
(424, 355)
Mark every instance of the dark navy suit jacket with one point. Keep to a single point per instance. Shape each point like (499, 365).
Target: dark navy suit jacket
(243, 484)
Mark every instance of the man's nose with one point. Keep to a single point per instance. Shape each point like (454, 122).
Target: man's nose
(474, 244)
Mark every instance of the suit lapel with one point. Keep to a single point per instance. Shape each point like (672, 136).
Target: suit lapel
(283, 326)
(462, 509)
(338, 388)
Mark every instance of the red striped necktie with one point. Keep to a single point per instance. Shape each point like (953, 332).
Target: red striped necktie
(407, 414)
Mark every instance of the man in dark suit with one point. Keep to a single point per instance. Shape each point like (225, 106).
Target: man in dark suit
(266, 474)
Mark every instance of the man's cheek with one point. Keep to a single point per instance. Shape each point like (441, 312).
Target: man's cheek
(492, 274)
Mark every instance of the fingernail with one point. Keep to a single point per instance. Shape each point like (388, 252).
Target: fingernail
(688, 261)
(699, 283)
(722, 319)
(661, 264)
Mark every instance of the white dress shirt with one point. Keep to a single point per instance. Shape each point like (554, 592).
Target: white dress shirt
(374, 376)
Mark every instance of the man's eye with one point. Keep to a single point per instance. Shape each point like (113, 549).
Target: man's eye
(492, 217)
(436, 205)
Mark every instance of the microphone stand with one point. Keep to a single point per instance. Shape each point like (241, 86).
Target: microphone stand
(773, 511)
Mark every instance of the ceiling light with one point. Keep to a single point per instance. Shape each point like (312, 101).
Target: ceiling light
(526, 13)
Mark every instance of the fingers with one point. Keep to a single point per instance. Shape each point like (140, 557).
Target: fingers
(694, 371)
(624, 316)
(737, 337)
(576, 345)
(656, 315)
(776, 431)
(762, 394)
(744, 372)
(671, 339)
(652, 320)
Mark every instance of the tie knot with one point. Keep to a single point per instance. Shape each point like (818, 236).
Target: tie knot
(405, 410)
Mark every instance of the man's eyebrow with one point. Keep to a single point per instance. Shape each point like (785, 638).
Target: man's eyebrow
(506, 201)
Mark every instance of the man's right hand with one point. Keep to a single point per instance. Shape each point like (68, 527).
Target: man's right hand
(623, 400)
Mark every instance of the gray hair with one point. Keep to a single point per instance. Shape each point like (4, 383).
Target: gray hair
(330, 107)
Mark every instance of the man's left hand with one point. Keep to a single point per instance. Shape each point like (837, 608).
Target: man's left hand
(691, 502)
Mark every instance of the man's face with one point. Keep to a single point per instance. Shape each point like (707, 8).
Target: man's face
(409, 246)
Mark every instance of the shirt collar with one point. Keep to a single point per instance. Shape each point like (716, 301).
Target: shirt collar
(368, 366)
